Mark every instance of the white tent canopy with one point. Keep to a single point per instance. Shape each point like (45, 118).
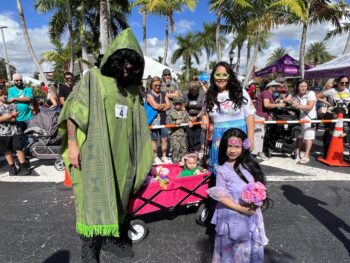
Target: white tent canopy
(35, 82)
(331, 69)
(154, 68)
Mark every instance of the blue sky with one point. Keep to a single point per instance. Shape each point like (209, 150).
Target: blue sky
(286, 36)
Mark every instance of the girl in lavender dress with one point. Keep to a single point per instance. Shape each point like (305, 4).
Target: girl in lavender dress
(240, 233)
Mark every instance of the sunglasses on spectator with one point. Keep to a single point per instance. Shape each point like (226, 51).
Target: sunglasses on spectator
(157, 86)
(165, 75)
(68, 78)
(224, 75)
(344, 83)
(18, 80)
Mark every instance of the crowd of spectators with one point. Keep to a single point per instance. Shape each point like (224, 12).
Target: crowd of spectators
(225, 104)
(18, 105)
(218, 105)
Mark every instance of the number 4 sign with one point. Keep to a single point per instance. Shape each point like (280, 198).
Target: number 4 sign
(121, 111)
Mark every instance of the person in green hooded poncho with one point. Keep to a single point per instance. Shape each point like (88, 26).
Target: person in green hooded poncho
(107, 147)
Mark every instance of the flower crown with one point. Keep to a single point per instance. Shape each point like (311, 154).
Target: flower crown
(235, 141)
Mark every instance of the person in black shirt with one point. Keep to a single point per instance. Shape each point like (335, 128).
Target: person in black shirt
(193, 98)
(67, 88)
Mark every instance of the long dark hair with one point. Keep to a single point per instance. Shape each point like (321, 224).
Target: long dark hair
(233, 86)
(244, 160)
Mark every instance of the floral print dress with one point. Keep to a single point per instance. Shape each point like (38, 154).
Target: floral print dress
(239, 238)
(225, 118)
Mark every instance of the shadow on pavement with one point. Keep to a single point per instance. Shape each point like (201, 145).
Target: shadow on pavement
(61, 256)
(273, 256)
(333, 223)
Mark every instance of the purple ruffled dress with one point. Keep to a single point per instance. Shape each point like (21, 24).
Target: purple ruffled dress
(239, 238)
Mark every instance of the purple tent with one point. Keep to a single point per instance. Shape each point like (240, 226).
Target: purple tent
(286, 65)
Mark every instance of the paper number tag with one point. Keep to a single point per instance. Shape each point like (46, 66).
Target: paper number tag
(121, 111)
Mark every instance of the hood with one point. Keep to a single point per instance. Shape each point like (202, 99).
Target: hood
(124, 42)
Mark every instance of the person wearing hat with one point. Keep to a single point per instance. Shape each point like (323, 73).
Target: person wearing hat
(169, 86)
(281, 94)
(264, 104)
(178, 115)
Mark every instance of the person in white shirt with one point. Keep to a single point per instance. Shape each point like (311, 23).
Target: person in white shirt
(305, 100)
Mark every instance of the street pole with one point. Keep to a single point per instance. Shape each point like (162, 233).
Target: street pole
(5, 54)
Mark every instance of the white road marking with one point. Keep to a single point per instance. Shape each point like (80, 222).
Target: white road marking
(41, 173)
(289, 166)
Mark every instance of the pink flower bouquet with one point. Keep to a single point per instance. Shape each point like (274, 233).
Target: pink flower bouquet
(253, 195)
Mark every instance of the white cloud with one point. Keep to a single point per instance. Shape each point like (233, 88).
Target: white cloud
(17, 51)
(183, 26)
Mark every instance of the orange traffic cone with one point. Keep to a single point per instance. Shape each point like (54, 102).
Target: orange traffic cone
(67, 181)
(336, 148)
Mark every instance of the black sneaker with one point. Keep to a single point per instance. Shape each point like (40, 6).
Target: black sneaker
(12, 170)
(114, 248)
(24, 169)
(89, 250)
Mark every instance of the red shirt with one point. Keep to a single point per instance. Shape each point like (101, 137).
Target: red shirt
(260, 109)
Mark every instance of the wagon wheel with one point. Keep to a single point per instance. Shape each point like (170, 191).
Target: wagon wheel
(202, 214)
(138, 231)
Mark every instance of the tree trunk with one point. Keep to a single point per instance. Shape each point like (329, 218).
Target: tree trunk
(166, 40)
(217, 34)
(302, 50)
(71, 34)
(208, 59)
(239, 49)
(83, 44)
(252, 63)
(347, 45)
(248, 57)
(188, 70)
(103, 26)
(110, 31)
(42, 77)
(144, 32)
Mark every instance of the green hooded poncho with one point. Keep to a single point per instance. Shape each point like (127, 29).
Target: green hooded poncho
(116, 153)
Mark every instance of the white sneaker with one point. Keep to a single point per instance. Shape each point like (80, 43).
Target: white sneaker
(157, 160)
(166, 160)
(262, 156)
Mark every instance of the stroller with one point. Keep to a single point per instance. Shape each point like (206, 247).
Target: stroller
(179, 192)
(44, 142)
(282, 138)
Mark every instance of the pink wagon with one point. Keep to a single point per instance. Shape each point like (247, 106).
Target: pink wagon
(179, 192)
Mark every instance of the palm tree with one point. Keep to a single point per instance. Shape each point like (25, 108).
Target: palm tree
(61, 56)
(28, 42)
(276, 55)
(263, 16)
(188, 49)
(85, 21)
(48, 6)
(236, 22)
(167, 8)
(218, 6)
(345, 28)
(159, 59)
(317, 53)
(206, 40)
(144, 11)
(309, 12)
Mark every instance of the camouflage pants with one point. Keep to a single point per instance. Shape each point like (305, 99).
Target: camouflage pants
(178, 147)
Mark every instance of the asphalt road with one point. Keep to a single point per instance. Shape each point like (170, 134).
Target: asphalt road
(310, 222)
